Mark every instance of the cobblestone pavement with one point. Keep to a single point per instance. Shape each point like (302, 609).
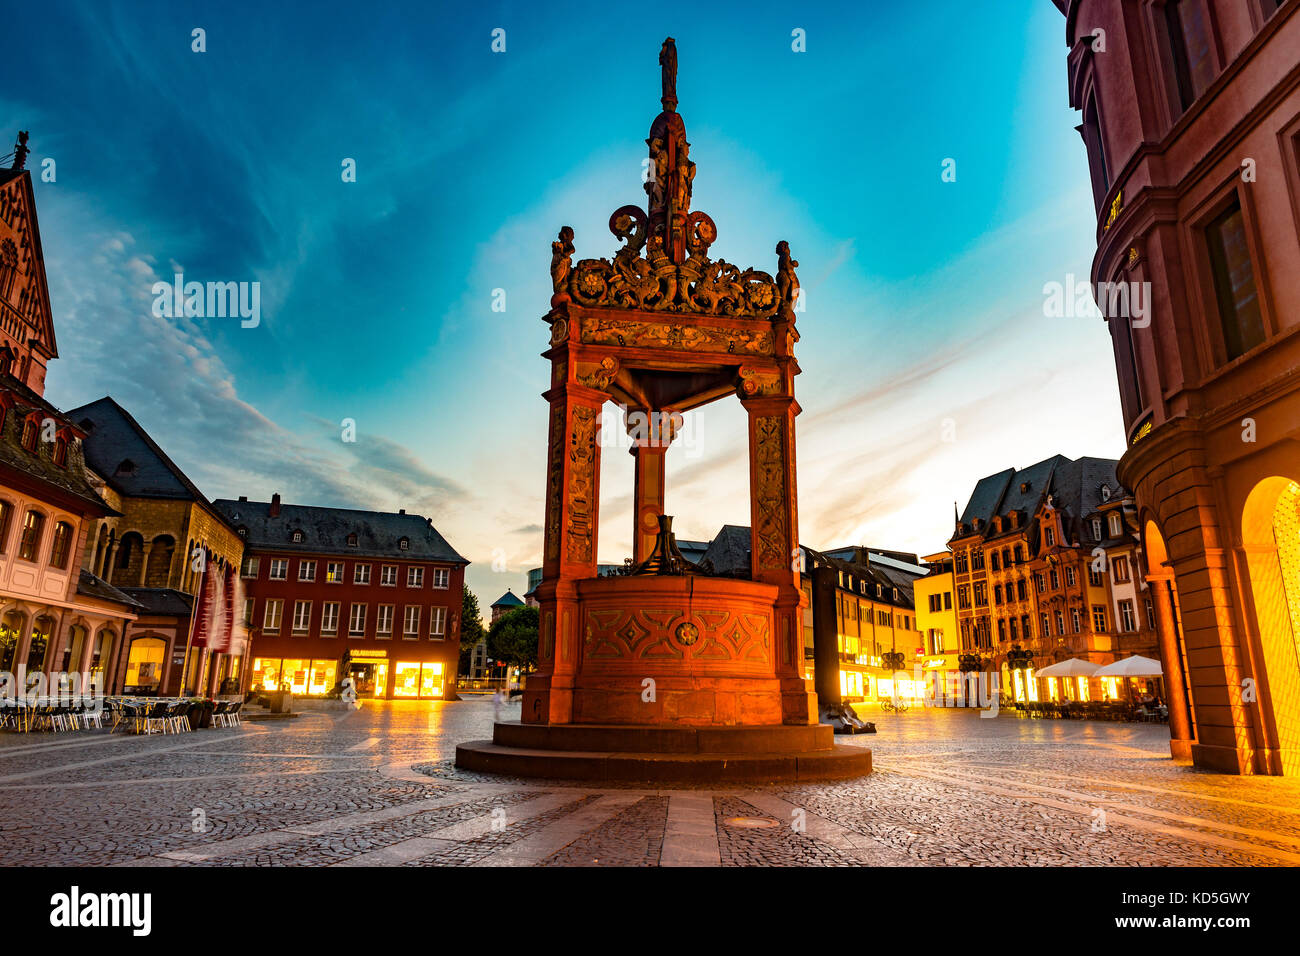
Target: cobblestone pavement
(377, 787)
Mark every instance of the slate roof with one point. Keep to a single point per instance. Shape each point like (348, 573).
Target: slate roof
(728, 552)
(1074, 486)
(508, 600)
(161, 602)
(326, 530)
(119, 449)
(39, 465)
(92, 586)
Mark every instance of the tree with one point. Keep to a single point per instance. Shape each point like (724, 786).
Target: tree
(512, 638)
(471, 627)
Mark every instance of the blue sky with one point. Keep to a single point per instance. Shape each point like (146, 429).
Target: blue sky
(925, 298)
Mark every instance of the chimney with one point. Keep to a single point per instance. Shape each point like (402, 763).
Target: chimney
(275, 505)
(243, 497)
(401, 511)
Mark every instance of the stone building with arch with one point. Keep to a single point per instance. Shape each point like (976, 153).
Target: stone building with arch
(146, 549)
(1191, 122)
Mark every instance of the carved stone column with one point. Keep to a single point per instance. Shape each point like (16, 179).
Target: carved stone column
(774, 531)
(651, 433)
(569, 554)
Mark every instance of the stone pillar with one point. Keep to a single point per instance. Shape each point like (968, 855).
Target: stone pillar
(145, 553)
(651, 433)
(774, 540)
(569, 554)
(1180, 722)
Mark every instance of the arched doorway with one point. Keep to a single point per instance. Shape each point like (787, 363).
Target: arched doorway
(1270, 536)
(144, 665)
(42, 629)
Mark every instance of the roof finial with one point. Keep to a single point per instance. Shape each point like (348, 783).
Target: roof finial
(21, 150)
(668, 73)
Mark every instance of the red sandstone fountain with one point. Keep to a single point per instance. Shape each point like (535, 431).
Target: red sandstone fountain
(668, 672)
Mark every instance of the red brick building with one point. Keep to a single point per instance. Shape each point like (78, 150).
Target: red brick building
(1191, 120)
(332, 593)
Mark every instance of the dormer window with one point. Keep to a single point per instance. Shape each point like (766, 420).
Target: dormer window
(61, 452)
(404, 544)
(1105, 493)
(352, 541)
(1024, 487)
(296, 537)
(29, 434)
(242, 531)
(125, 467)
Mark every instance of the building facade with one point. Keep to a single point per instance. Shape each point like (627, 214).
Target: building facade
(1191, 123)
(164, 541)
(1042, 558)
(333, 593)
(936, 618)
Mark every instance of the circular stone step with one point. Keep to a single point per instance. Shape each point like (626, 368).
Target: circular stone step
(838, 763)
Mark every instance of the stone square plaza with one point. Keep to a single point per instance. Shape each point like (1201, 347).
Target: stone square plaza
(377, 787)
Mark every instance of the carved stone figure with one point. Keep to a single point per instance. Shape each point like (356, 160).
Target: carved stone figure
(668, 73)
(787, 283)
(562, 259)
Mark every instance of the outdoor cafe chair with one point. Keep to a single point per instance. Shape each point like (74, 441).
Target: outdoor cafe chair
(231, 717)
(154, 720)
(219, 711)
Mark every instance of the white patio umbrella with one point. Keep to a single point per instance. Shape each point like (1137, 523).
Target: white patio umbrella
(1074, 667)
(1135, 666)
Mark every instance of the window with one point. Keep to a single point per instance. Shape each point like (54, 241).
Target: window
(249, 568)
(388, 576)
(404, 544)
(271, 616)
(437, 623)
(1049, 535)
(1151, 615)
(442, 579)
(352, 541)
(1055, 577)
(1127, 619)
(1076, 620)
(301, 616)
(947, 600)
(1119, 567)
(1070, 577)
(1094, 576)
(1095, 144)
(1234, 282)
(306, 570)
(1099, 618)
(1038, 582)
(977, 559)
(1060, 623)
(357, 624)
(31, 539)
(248, 611)
(961, 562)
(1024, 626)
(411, 625)
(1022, 592)
(6, 516)
(1002, 630)
(61, 452)
(996, 562)
(1096, 529)
(1189, 43)
(1020, 554)
(384, 622)
(997, 594)
(1115, 526)
(329, 619)
(1011, 625)
(334, 572)
(279, 569)
(361, 574)
(297, 537)
(29, 434)
(415, 577)
(1046, 624)
(981, 594)
(963, 597)
(61, 546)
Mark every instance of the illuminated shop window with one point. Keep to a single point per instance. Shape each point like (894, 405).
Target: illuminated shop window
(322, 678)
